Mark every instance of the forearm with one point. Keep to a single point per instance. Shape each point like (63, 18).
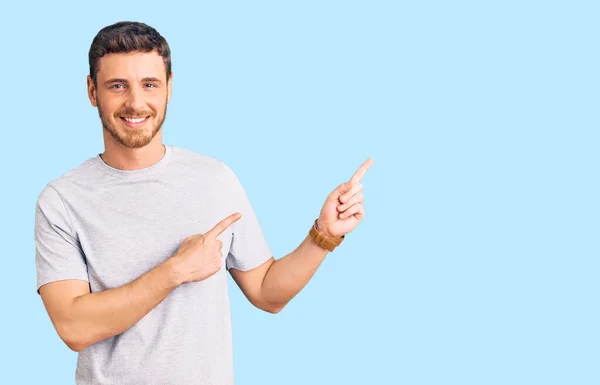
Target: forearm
(288, 275)
(97, 316)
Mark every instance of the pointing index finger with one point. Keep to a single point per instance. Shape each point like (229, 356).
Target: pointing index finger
(223, 225)
(361, 171)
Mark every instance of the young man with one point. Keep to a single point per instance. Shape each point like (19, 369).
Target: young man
(133, 245)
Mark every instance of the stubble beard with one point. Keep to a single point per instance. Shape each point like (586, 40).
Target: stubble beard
(131, 138)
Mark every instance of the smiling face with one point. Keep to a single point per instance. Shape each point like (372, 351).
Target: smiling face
(131, 92)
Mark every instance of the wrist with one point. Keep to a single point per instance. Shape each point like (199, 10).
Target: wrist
(174, 276)
(324, 239)
(322, 229)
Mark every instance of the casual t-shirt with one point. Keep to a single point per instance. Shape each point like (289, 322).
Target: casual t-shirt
(109, 226)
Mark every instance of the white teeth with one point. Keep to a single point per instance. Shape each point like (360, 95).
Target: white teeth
(136, 120)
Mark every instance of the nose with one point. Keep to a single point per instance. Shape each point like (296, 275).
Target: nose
(135, 99)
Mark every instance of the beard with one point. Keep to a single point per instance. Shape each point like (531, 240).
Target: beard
(132, 138)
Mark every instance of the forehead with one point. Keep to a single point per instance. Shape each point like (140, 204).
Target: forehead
(131, 65)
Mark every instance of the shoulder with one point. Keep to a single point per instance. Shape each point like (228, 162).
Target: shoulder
(79, 174)
(48, 197)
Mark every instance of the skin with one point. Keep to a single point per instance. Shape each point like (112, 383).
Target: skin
(135, 85)
(131, 85)
(273, 284)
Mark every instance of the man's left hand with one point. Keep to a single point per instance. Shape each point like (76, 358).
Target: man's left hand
(343, 210)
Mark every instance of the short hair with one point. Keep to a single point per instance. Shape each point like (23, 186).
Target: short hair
(128, 36)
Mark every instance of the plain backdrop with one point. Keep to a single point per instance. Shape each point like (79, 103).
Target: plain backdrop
(477, 262)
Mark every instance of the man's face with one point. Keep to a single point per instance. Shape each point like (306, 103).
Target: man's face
(131, 94)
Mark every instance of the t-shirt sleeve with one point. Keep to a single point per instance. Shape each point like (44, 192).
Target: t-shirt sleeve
(249, 248)
(58, 252)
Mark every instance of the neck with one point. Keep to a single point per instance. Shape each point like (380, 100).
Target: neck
(124, 158)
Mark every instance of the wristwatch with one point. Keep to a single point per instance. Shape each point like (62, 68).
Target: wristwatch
(326, 242)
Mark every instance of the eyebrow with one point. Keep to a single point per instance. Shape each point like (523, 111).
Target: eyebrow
(146, 79)
(152, 79)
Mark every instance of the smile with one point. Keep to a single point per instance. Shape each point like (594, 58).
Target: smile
(134, 122)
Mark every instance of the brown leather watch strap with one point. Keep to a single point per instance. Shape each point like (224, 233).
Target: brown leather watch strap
(323, 240)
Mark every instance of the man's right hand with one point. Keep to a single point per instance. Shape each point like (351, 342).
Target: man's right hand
(200, 255)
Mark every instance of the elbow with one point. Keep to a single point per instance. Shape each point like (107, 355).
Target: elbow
(71, 338)
(273, 308)
(74, 346)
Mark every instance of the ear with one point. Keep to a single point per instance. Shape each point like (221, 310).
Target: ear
(169, 87)
(92, 91)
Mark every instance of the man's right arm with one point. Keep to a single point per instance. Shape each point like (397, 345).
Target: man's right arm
(82, 318)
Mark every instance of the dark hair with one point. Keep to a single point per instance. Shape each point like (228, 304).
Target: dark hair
(128, 36)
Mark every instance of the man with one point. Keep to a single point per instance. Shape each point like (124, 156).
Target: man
(133, 245)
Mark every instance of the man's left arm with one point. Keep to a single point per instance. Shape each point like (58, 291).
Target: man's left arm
(273, 284)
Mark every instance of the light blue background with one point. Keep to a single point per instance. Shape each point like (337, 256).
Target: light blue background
(477, 262)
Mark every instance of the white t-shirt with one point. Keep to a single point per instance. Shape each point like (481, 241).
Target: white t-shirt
(109, 226)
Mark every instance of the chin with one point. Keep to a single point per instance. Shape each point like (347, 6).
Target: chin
(132, 137)
(136, 141)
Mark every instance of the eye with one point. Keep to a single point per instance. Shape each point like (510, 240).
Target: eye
(118, 85)
(151, 85)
